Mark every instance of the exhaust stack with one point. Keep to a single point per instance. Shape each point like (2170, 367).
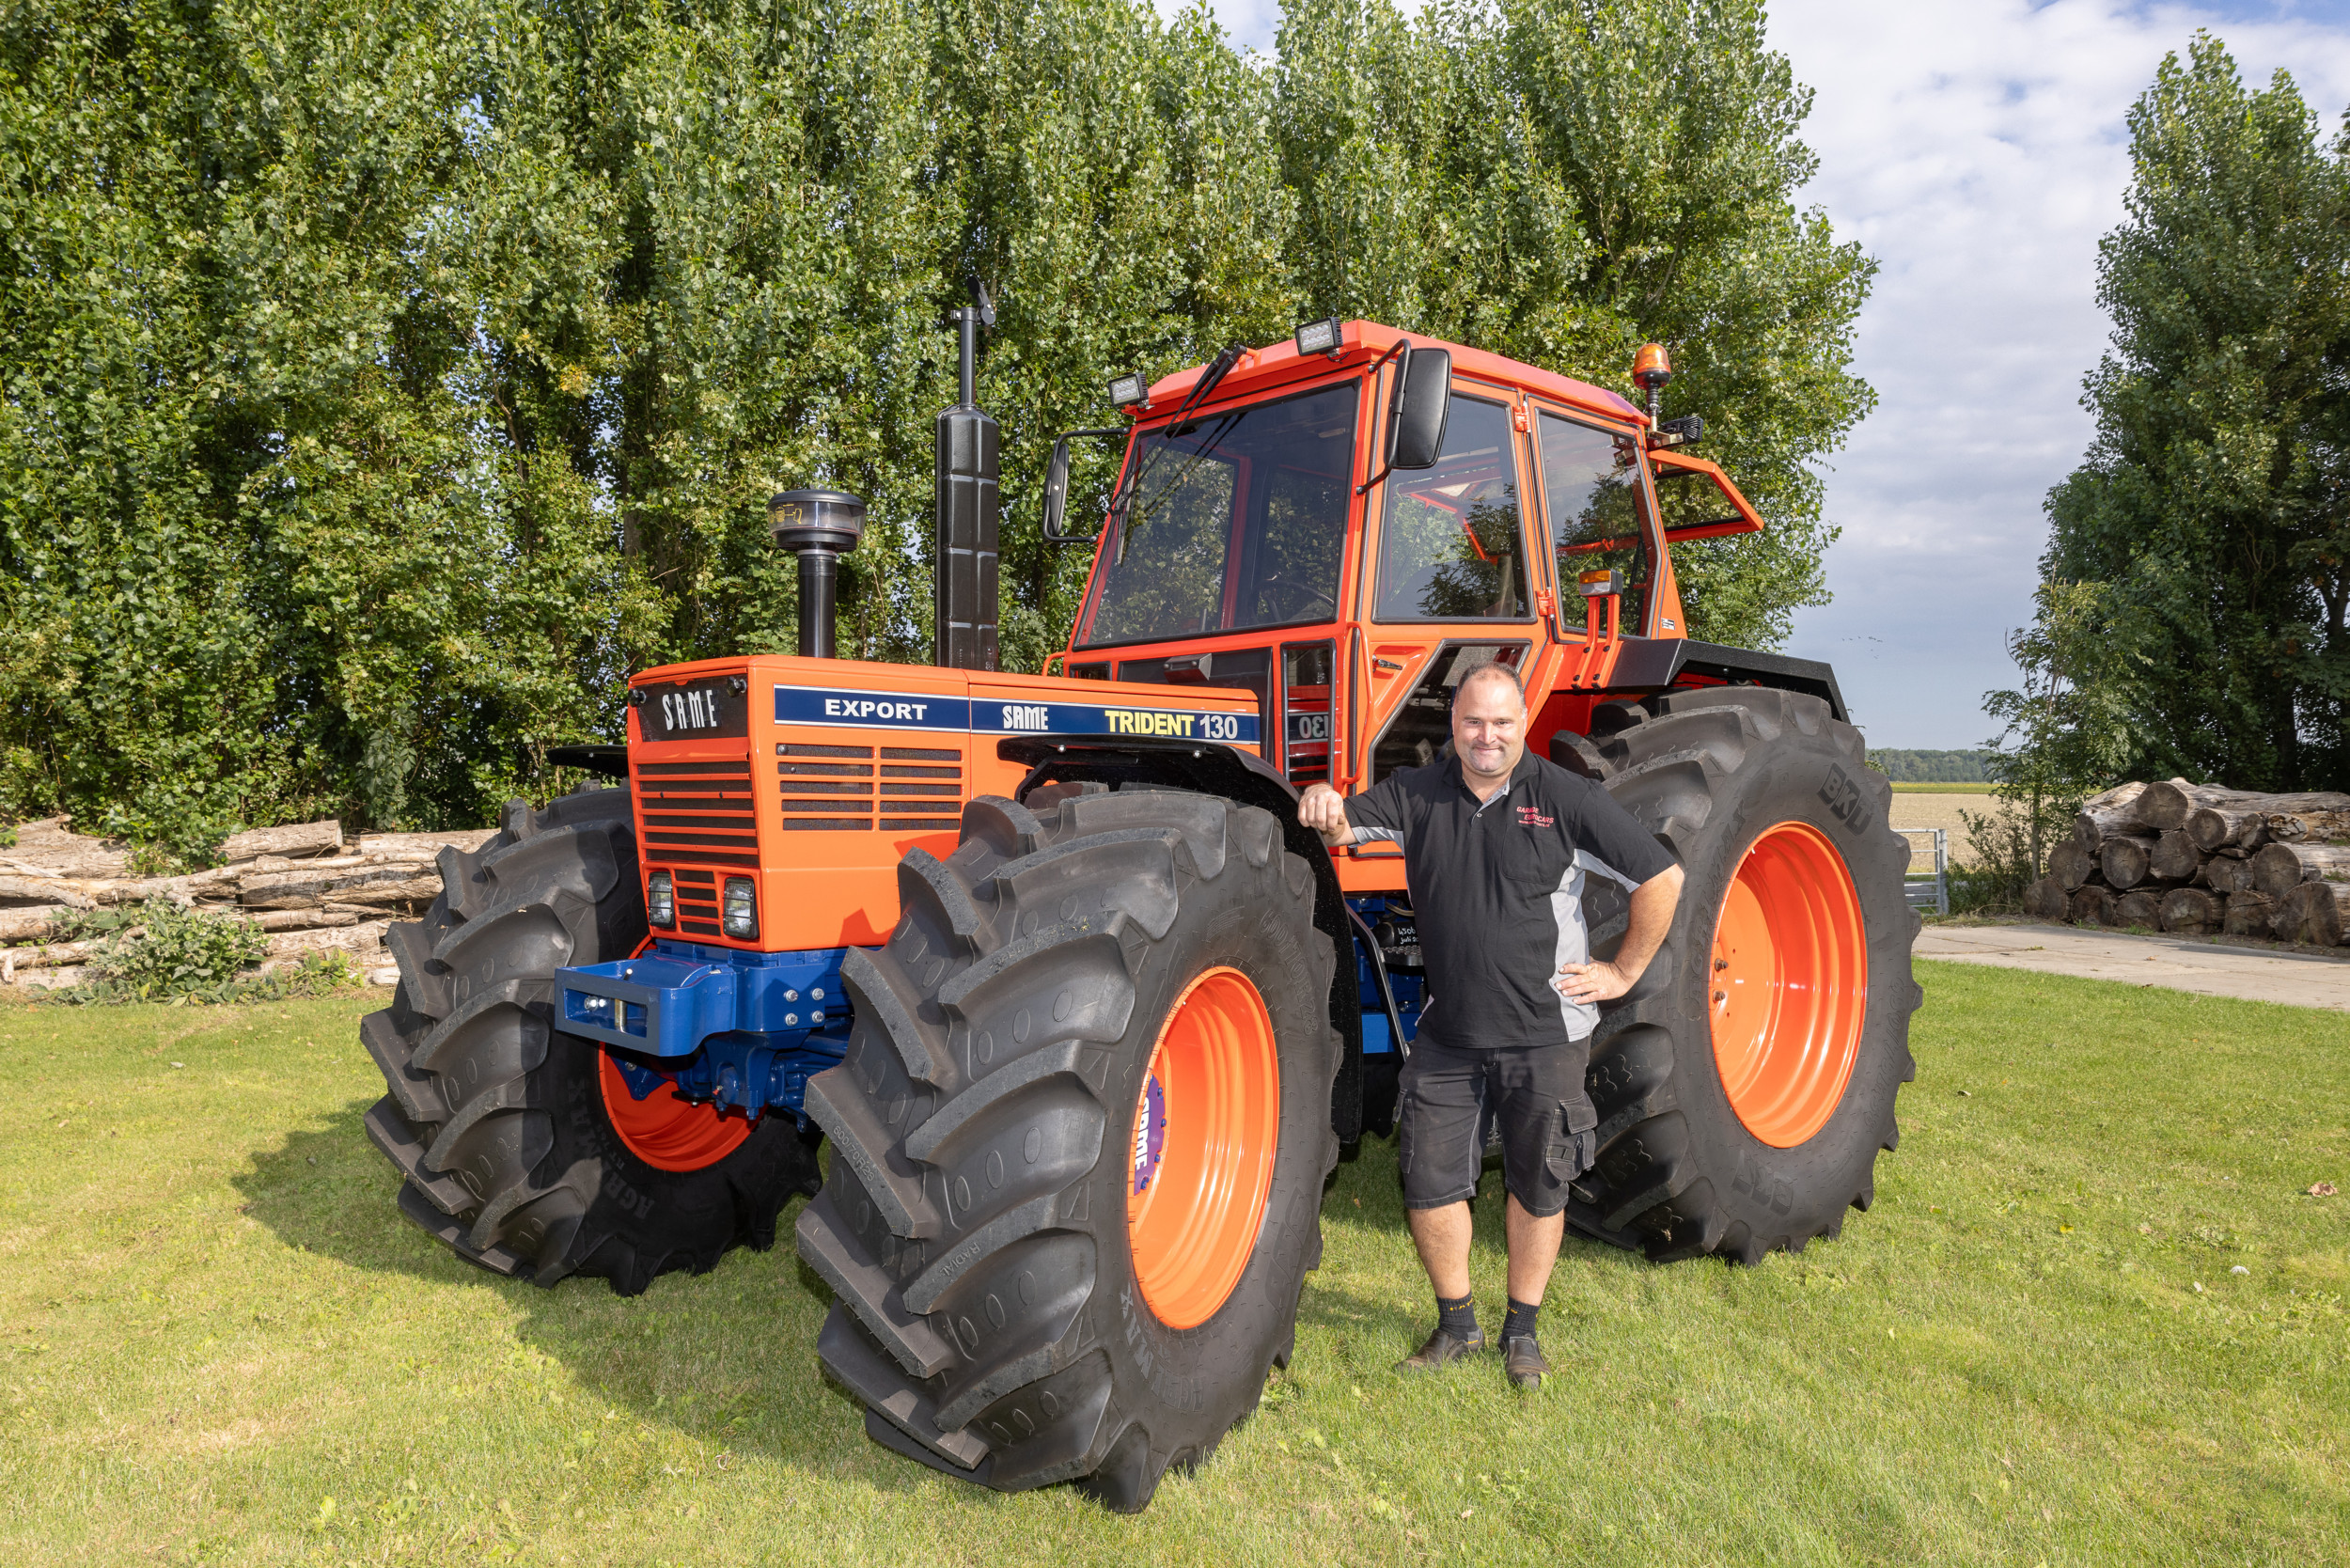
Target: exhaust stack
(818, 526)
(966, 597)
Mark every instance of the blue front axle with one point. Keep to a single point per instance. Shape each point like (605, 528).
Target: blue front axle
(744, 1031)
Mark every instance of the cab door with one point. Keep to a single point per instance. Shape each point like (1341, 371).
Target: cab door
(1447, 581)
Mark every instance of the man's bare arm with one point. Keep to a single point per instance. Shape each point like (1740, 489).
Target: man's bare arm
(1324, 809)
(1652, 918)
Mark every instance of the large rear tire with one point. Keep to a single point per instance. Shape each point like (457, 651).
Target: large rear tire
(523, 1149)
(1745, 1085)
(1079, 1141)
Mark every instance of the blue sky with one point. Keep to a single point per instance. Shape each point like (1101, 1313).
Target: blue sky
(1977, 148)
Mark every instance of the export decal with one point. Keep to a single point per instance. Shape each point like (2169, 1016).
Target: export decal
(980, 716)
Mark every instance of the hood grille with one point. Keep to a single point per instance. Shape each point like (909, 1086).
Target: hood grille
(833, 789)
(700, 813)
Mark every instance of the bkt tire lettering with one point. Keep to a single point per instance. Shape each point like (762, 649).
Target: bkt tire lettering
(1842, 796)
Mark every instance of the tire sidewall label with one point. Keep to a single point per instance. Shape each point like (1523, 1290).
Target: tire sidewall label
(1842, 796)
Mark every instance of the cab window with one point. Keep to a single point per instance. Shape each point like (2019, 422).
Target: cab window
(1231, 521)
(1597, 512)
(1448, 545)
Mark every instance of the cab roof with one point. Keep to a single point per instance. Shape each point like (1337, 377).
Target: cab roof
(1361, 342)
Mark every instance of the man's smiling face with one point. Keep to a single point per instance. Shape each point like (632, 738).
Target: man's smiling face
(1488, 726)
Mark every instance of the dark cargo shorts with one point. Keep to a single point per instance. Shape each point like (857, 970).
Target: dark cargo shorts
(1534, 1097)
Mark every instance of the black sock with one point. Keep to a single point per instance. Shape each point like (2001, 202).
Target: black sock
(1521, 1319)
(1457, 1318)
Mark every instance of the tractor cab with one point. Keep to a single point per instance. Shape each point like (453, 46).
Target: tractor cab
(1341, 525)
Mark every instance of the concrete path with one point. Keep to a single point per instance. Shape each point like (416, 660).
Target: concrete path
(2300, 980)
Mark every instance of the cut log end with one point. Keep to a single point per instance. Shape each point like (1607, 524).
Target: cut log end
(2277, 869)
(2072, 863)
(2317, 912)
(2127, 859)
(2047, 899)
(2175, 857)
(2092, 906)
(2192, 911)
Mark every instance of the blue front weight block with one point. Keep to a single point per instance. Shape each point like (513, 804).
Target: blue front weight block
(667, 1002)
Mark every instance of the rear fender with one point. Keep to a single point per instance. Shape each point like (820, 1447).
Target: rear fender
(1209, 769)
(1649, 666)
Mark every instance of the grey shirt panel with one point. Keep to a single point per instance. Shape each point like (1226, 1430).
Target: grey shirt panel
(1498, 888)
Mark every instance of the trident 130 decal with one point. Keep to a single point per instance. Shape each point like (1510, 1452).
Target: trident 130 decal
(814, 705)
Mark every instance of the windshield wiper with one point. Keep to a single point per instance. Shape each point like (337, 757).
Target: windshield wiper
(1129, 522)
(1119, 499)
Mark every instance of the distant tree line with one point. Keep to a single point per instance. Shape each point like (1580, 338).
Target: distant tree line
(1933, 767)
(384, 383)
(2192, 619)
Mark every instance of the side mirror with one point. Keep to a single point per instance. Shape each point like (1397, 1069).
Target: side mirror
(1416, 414)
(1056, 492)
(1057, 487)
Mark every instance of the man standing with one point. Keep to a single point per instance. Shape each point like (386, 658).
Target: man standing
(1496, 845)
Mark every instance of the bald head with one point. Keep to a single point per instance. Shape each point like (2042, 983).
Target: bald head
(1489, 724)
(1497, 673)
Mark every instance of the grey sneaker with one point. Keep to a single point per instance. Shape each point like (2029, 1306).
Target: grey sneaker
(1522, 1359)
(1440, 1352)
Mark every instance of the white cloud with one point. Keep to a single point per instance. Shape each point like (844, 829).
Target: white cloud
(1978, 149)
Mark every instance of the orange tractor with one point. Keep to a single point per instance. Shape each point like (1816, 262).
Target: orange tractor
(1084, 1012)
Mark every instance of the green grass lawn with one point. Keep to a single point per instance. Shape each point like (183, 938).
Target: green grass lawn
(219, 1343)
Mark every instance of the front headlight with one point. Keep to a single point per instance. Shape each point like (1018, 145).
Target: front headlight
(661, 901)
(740, 916)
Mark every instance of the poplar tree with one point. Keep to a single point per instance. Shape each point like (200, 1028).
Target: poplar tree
(2210, 520)
(1561, 180)
(381, 385)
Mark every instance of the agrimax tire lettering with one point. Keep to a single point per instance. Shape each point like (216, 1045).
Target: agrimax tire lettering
(1777, 1192)
(591, 1129)
(1180, 1393)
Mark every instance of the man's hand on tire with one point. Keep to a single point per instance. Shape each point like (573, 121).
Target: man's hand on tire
(1602, 981)
(1324, 809)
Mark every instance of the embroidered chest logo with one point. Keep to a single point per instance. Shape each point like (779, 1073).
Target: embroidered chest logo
(1529, 817)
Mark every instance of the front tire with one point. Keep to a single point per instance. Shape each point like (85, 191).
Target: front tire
(1746, 1084)
(522, 1148)
(1079, 1141)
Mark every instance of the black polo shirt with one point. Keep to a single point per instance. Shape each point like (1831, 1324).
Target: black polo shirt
(1497, 890)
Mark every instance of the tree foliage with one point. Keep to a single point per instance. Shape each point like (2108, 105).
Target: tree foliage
(2205, 539)
(2065, 734)
(1561, 180)
(382, 384)
(1930, 767)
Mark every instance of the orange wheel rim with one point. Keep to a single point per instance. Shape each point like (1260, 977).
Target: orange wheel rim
(1206, 1127)
(1789, 985)
(663, 1131)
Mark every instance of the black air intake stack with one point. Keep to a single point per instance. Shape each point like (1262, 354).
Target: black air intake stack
(965, 595)
(819, 526)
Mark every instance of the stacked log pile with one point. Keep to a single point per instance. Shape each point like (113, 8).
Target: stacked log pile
(2196, 859)
(304, 885)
